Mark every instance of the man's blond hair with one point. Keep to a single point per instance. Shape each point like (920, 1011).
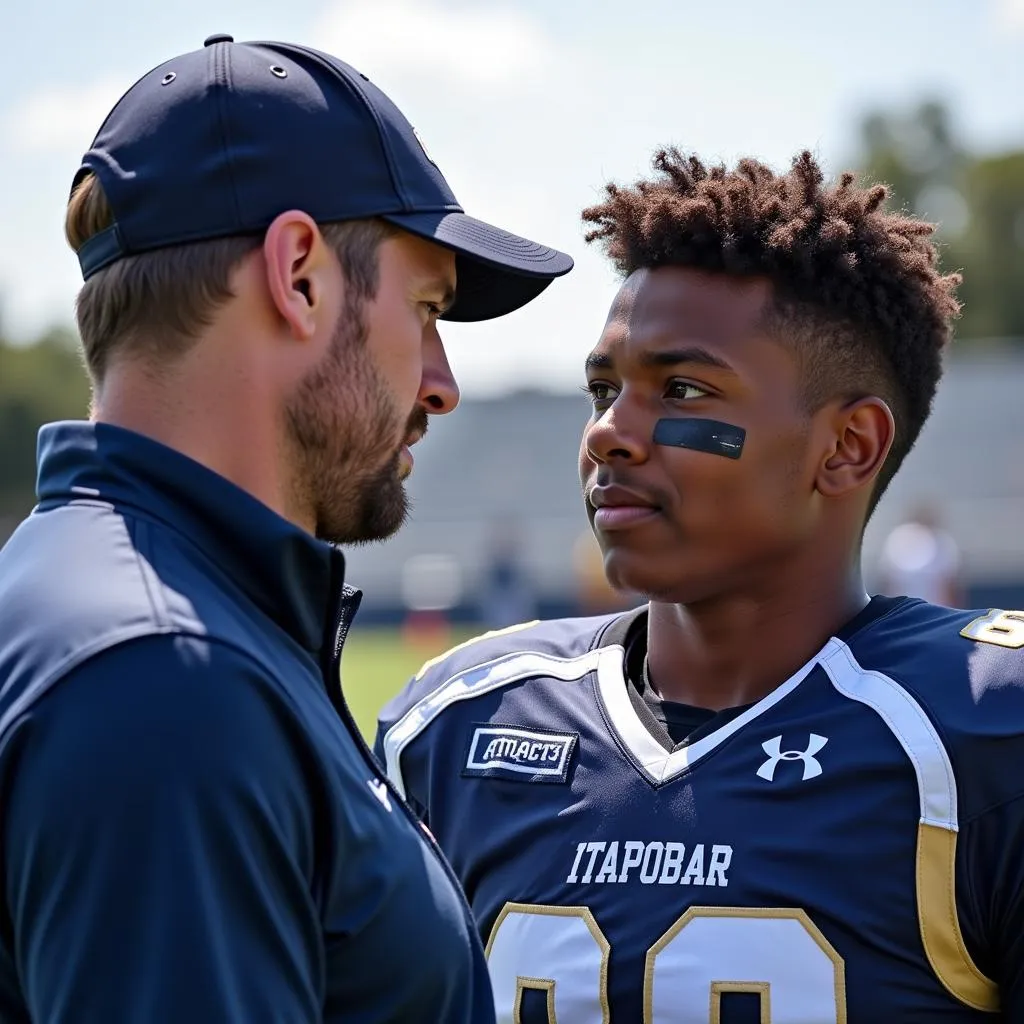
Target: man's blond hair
(157, 303)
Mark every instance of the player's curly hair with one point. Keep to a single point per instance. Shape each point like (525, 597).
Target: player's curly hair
(857, 288)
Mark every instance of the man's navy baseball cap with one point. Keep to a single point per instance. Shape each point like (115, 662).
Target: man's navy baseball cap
(221, 140)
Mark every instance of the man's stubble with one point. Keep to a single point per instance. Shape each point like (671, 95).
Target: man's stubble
(346, 435)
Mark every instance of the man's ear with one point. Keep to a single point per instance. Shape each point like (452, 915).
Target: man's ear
(299, 267)
(862, 434)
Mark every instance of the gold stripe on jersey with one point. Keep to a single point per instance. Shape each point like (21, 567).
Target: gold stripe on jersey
(940, 927)
(937, 827)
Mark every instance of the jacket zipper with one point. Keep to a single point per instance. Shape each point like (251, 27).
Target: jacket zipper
(347, 603)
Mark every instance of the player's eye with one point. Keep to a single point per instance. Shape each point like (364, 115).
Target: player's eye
(600, 392)
(433, 309)
(683, 390)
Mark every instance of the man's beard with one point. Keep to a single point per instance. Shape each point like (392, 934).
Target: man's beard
(342, 426)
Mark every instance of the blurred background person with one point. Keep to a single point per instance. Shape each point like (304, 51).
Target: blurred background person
(920, 558)
(506, 594)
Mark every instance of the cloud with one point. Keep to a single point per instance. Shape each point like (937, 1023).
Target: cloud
(1009, 15)
(59, 118)
(492, 47)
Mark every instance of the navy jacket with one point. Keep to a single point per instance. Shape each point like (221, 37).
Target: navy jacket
(192, 829)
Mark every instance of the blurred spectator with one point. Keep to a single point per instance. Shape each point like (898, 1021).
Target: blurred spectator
(431, 588)
(507, 594)
(594, 594)
(921, 559)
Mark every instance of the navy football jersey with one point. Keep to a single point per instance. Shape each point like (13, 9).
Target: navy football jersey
(848, 849)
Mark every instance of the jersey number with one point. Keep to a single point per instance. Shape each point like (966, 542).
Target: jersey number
(779, 955)
(998, 627)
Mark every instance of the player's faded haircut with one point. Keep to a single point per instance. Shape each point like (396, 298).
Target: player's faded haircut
(156, 303)
(857, 288)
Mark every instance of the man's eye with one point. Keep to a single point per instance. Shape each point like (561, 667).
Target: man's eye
(599, 392)
(680, 389)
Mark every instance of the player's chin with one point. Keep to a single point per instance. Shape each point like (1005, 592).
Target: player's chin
(637, 572)
(654, 575)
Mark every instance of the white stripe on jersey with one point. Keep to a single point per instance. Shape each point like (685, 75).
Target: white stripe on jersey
(911, 726)
(659, 764)
(474, 682)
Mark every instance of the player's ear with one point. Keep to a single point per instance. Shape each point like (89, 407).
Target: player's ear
(862, 432)
(299, 268)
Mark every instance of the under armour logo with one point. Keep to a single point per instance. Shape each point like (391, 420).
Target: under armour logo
(380, 791)
(773, 748)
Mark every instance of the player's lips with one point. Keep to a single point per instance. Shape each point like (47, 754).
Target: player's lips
(617, 508)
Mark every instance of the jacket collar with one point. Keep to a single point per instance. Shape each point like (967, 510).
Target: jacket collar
(294, 578)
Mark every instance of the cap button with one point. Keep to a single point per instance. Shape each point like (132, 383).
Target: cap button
(218, 37)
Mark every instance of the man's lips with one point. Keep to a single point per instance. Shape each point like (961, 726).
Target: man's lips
(617, 507)
(619, 517)
(405, 455)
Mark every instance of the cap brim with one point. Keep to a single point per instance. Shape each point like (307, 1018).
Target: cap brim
(497, 272)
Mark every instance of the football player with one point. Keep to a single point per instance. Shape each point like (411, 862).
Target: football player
(764, 795)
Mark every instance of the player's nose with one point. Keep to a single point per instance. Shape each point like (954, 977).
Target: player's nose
(618, 434)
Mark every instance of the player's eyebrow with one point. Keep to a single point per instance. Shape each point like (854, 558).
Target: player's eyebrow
(655, 358)
(658, 358)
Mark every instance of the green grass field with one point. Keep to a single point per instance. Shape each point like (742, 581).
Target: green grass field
(378, 662)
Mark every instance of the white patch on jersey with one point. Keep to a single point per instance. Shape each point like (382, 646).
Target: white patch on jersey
(773, 748)
(910, 725)
(380, 790)
(475, 682)
(520, 750)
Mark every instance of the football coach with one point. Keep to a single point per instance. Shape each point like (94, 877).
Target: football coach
(192, 829)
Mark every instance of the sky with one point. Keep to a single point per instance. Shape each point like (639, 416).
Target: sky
(528, 106)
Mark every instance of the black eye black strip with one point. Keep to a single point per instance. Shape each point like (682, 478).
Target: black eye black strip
(701, 435)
